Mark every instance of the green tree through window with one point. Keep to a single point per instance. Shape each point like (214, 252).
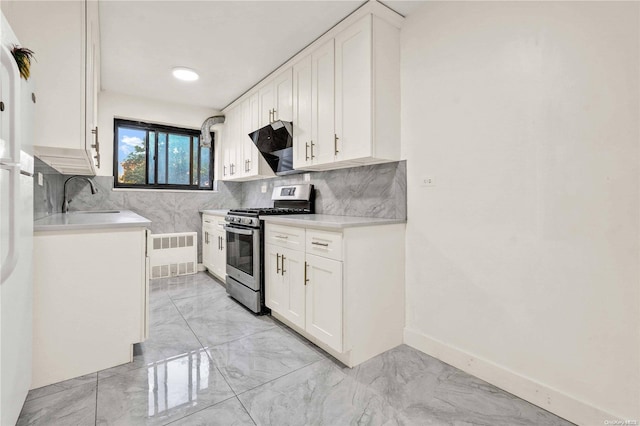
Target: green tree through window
(155, 156)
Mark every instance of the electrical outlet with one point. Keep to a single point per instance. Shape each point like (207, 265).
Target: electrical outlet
(428, 181)
(307, 177)
(264, 188)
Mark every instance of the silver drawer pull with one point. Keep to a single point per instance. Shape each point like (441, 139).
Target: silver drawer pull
(282, 236)
(320, 244)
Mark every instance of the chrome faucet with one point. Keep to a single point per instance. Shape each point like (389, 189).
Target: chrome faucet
(65, 201)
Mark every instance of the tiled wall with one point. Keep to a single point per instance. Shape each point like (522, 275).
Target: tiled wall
(374, 191)
(47, 199)
(371, 191)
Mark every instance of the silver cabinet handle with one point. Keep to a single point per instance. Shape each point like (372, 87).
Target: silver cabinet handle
(335, 144)
(282, 236)
(97, 144)
(315, 243)
(206, 241)
(306, 151)
(306, 279)
(312, 145)
(224, 170)
(282, 268)
(277, 263)
(274, 115)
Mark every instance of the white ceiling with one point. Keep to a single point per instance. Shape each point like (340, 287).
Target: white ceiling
(231, 44)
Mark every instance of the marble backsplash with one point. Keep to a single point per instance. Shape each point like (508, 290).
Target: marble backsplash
(372, 191)
(47, 198)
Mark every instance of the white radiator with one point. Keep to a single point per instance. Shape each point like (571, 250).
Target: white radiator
(173, 254)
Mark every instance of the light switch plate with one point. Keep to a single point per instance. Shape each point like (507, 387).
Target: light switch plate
(40, 179)
(263, 188)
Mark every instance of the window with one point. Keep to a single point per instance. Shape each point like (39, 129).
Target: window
(162, 157)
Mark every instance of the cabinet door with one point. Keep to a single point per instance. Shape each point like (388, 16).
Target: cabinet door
(207, 252)
(294, 299)
(251, 153)
(244, 143)
(219, 257)
(323, 104)
(302, 113)
(274, 291)
(324, 300)
(230, 161)
(92, 81)
(354, 91)
(283, 96)
(266, 104)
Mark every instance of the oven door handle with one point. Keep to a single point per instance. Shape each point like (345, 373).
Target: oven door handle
(238, 230)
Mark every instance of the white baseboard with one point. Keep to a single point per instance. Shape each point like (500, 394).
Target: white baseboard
(550, 399)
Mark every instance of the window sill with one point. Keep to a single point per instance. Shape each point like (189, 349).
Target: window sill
(182, 191)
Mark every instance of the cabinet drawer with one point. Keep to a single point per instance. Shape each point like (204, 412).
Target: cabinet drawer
(324, 243)
(285, 236)
(215, 221)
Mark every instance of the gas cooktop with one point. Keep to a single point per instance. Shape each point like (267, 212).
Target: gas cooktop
(264, 211)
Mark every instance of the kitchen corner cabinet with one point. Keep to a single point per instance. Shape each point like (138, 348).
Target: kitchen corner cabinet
(65, 39)
(343, 290)
(90, 302)
(214, 252)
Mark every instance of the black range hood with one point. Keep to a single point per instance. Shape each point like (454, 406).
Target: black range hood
(275, 143)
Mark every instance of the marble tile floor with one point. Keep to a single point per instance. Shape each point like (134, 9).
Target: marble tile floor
(209, 361)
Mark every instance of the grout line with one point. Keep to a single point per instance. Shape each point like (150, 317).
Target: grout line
(187, 322)
(197, 411)
(96, 411)
(284, 375)
(247, 411)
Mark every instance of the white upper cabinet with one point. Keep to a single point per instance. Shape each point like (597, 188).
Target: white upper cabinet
(342, 93)
(354, 91)
(313, 108)
(276, 99)
(367, 115)
(302, 115)
(322, 104)
(241, 159)
(65, 39)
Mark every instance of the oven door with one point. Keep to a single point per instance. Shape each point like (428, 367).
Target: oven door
(243, 255)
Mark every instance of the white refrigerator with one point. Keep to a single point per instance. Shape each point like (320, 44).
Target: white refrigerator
(16, 231)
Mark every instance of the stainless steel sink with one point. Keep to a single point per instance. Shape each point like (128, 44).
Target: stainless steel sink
(95, 211)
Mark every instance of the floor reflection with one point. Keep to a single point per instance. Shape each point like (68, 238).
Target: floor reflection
(177, 380)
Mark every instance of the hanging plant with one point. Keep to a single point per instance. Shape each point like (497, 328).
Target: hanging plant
(23, 57)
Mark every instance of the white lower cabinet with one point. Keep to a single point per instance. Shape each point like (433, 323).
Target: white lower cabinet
(342, 290)
(90, 301)
(324, 299)
(214, 252)
(286, 292)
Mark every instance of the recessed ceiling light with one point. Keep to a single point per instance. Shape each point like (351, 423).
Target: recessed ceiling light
(185, 74)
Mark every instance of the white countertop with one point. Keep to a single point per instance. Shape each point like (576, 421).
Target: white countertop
(220, 212)
(326, 221)
(91, 220)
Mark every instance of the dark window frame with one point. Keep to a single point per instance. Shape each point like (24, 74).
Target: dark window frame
(157, 129)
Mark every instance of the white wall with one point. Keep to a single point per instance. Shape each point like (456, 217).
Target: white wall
(117, 105)
(523, 260)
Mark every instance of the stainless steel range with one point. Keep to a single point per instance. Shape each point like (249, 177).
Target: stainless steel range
(245, 242)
